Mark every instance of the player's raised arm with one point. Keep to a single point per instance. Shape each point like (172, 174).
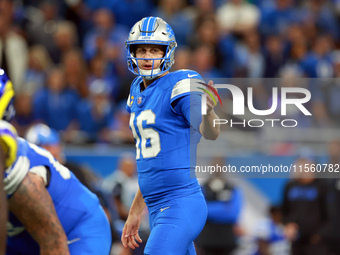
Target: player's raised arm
(131, 227)
(3, 206)
(208, 129)
(33, 206)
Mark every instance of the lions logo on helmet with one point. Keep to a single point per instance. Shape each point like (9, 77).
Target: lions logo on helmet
(7, 111)
(151, 30)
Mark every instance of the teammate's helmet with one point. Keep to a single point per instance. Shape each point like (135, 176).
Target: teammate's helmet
(151, 30)
(7, 111)
(42, 135)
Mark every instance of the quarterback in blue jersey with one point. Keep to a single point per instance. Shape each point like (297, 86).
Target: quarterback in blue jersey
(50, 211)
(167, 125)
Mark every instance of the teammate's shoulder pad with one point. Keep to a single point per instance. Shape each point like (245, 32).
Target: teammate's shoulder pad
(8, 142)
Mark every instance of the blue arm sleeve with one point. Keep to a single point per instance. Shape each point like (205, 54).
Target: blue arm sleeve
(190, 107)
(225, 212)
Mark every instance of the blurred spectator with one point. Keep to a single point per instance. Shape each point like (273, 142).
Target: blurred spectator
(123, 185)
(224, 202)
(318, 63)
(274, 56)
(23, 118)
(305, 211)
(238, 16)
(42, 24)
(173, 12)
(270, 236)
(334, 152)
(94, 114)
(119, 133)
(38, 63)
(330, 234)
(183, 56)
(278, 18)
(331, 91)
(13, 48)
(249, 57)
(320, 13)
(292, 76)
(75, 71)
(65, 37)
(124, 9)
(106, 38)
(56, 104)
(199, 8)
(204, 59)
(99, 71)
(206, 31)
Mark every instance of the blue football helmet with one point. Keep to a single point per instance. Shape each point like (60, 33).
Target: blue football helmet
(151, 30)
(42, 135)
(7, 111)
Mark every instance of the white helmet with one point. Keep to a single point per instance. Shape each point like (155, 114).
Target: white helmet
(151, 30)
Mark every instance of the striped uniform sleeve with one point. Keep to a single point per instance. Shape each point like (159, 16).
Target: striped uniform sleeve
(186, 99)
(15, 174)
(185, 87)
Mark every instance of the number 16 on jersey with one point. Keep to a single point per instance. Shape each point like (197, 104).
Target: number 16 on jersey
(145, 134)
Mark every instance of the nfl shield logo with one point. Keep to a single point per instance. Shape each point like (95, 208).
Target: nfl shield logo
(139, 100)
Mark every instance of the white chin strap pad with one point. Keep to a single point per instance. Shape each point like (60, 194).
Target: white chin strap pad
(150, 74)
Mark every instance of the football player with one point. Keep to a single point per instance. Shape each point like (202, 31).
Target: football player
(50, 211)
(166, 121)
(3, 205)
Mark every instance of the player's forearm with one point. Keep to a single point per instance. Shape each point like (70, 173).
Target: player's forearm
(138, 204)
(208, 129)
(3, 218)
(34, 208)
(3, 206)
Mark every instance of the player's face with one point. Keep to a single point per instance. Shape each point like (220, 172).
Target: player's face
(149, 51)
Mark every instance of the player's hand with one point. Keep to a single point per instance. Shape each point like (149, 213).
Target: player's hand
(211, 102)
(130, 231)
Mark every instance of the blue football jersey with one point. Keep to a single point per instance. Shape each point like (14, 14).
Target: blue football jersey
(73, 202)
(165, 143)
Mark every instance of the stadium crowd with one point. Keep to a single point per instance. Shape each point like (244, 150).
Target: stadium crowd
(67, 58)
(67, 62)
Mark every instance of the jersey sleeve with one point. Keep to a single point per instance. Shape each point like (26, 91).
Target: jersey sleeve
(186, 82)
(186, 96)
(190, 108)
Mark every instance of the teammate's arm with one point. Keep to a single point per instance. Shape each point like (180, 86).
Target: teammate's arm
(3, 205)
(33, 206)
(207, 128)
(130, 230)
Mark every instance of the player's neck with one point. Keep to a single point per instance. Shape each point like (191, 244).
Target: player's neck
(146, 82)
